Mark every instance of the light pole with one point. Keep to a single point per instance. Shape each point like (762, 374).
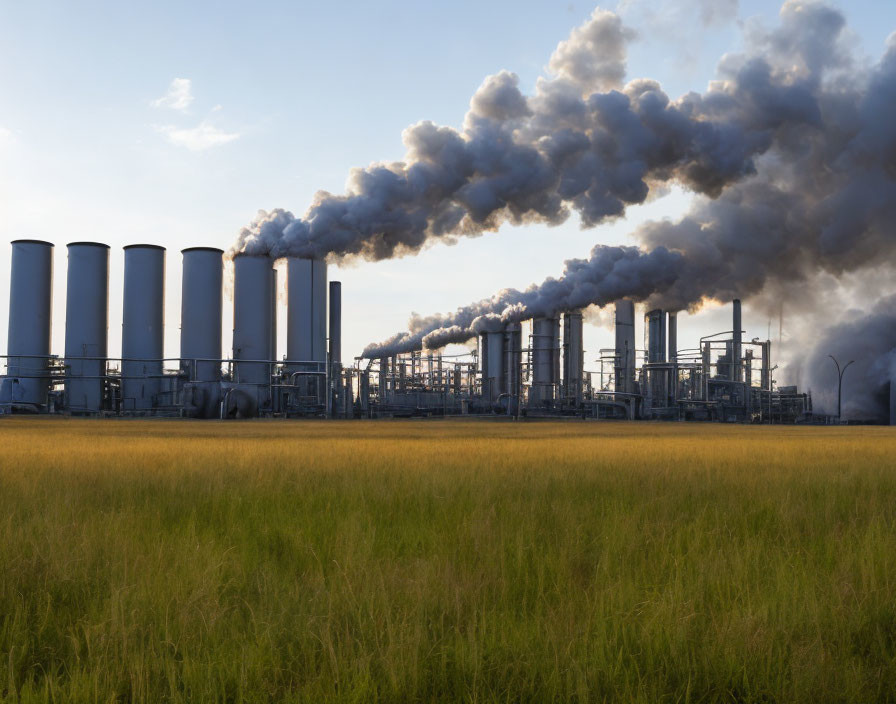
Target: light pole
(840, 373)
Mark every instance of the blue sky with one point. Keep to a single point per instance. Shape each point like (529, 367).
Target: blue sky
(280, 99)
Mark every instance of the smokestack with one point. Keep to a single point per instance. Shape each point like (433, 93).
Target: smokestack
(30, 323)
(306, 323)
(306, 333)
(673, 337)
(625, 347)
(545, 343)
(737, 346)
(382, 379)
(573, 358)
(656, 336)
(491, 363)
(273, 344)
(513, 360)
(86, 326)
(200, 323)
(142, 330)
(336, 323)
(893, 400)
(252, 284)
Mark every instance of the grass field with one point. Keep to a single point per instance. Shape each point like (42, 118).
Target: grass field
(154, 561)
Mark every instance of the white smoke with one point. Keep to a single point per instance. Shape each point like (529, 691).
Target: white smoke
(810, 137)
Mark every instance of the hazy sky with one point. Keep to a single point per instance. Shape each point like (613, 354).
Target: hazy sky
(173, 123)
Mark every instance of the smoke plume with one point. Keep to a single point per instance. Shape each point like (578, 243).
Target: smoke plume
(581, 143)
(868, 340)
(808, 186)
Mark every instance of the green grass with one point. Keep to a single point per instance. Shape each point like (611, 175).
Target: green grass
(155, 561)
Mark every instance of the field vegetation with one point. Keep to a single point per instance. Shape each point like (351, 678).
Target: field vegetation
(427, 561)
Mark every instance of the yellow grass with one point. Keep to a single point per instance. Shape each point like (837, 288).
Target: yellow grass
(445, 561)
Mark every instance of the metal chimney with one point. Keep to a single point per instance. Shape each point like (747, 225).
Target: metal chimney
(513, 359)
(252, 314)
(491, 363)
(86, 326)
(142, 332)
(273, 343)
(335, 348)
(625, 347)
(306, 334)
(573, 357)
(737, 346)
(30, 322)
(656, 336)
(673, 337)
(200, 323)
(545, 359)
(336, 323)
(306, 322)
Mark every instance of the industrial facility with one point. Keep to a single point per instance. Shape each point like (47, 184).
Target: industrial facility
(534, 369)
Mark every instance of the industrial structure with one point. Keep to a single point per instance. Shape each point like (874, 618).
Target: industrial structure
(534, 369)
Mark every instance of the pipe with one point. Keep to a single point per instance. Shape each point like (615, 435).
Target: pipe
(86, 326)
(142, 329)
(30, 324)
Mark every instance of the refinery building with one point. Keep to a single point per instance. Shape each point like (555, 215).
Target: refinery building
(537, 368)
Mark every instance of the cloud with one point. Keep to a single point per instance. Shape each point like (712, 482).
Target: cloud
(178, 97)
(5, 135)
(203, 136)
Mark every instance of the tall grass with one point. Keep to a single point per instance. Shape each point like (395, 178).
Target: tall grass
(154, 561)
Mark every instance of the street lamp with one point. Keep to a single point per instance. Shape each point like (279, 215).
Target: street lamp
(840, 373)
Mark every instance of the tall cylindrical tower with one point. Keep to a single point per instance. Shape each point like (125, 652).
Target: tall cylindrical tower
(252, 314)
(142, 332)
(30, 323)
(306, 322)
(200, 326)
(86, 326)
(624, 367)
(737, 368)
(336, 323)
(306, 329)
(573, 358)
(545, 359)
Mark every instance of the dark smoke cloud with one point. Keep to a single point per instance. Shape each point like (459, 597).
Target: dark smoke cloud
(582, 143)
(821, 198)
(869, 340)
